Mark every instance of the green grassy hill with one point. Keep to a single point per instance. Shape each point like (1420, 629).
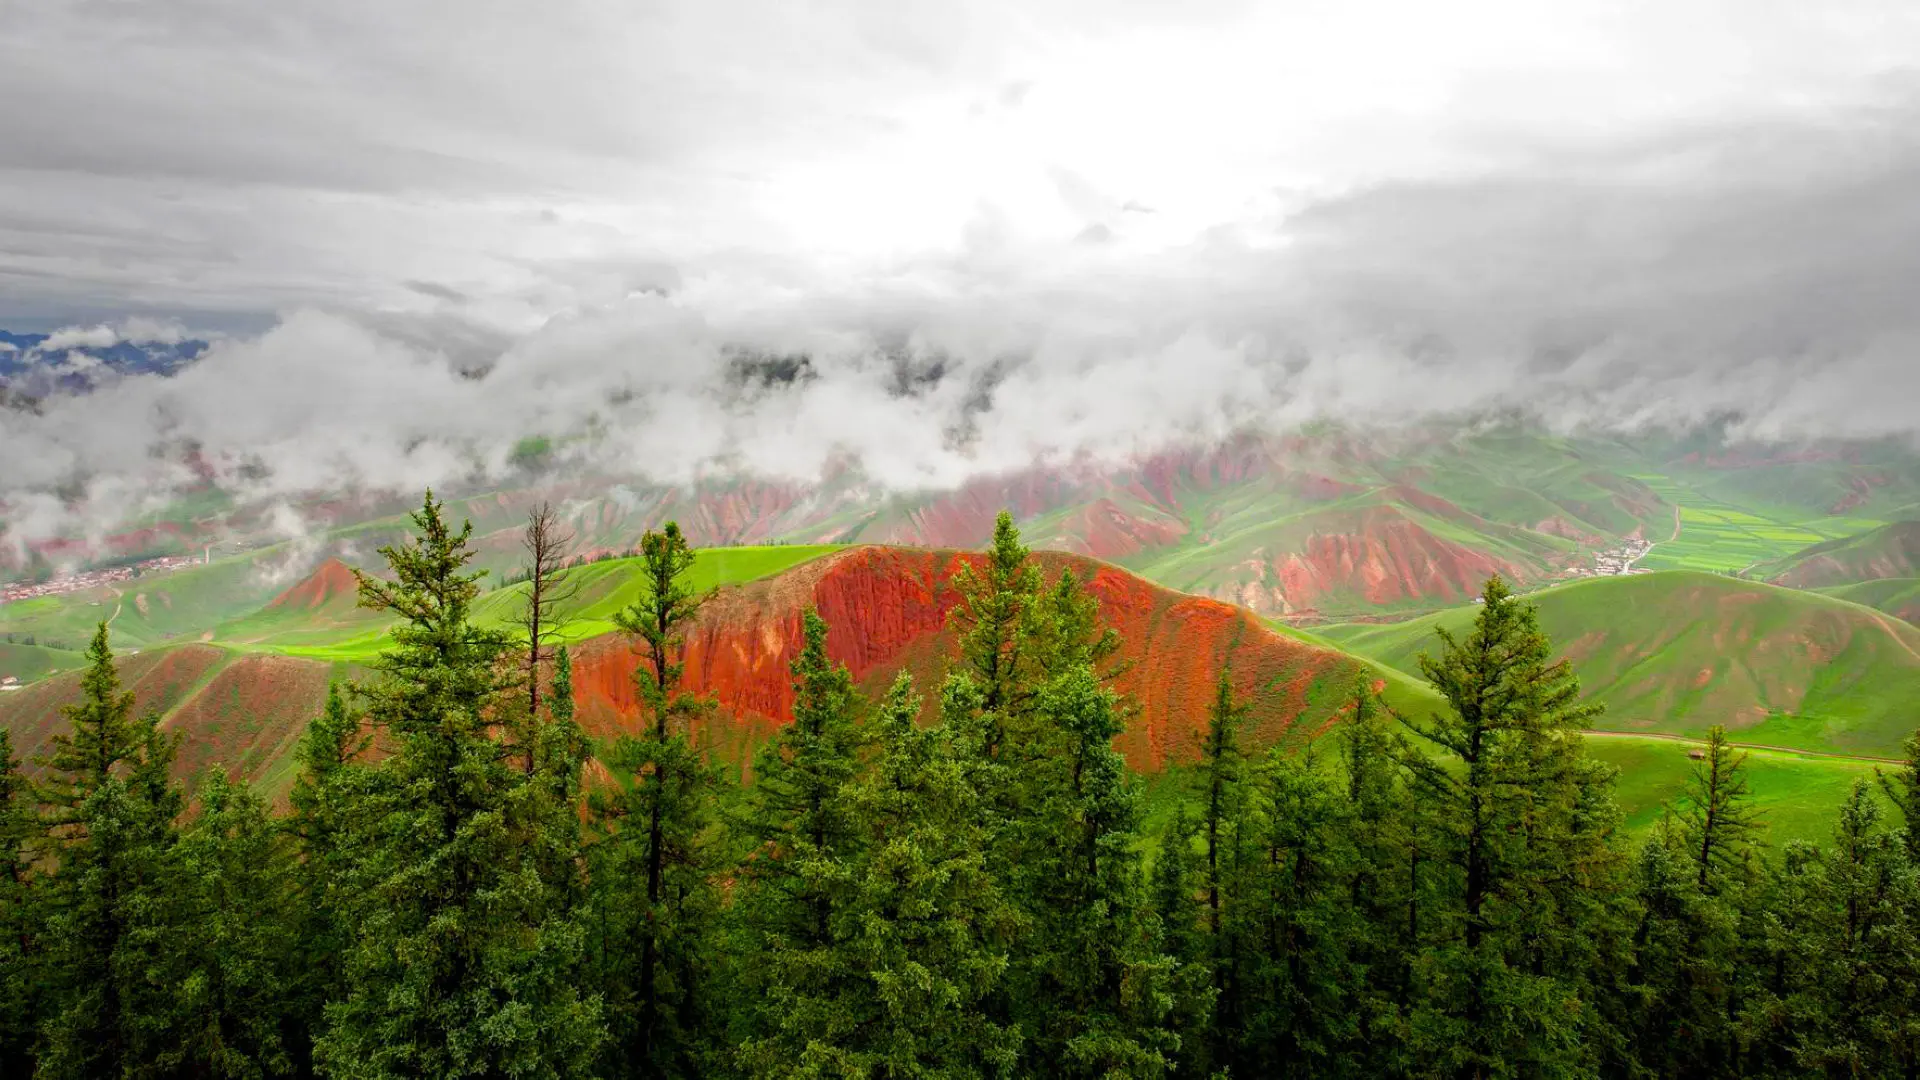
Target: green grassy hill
(30, 662)
(1678, 652)
(596, 591)
(1899, 597)
(1890, 551)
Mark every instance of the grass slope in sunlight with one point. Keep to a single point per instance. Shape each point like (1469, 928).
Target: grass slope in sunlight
(604, 588)
(1678, 652)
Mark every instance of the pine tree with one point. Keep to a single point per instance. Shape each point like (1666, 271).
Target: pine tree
(1176, 895)
(1840, 992)
(231, 953)
(1381, 884)
(796, 886)
(1293, 910)
(554, 796)
(1219, 780)
(1525, 838)
(653, 904)
(333, 796)
(1903, 790)
(1693, 882)
(1058, 629)
(1097, 986)
(456, 967)
(1220, 772)
(922, 931)
(1719, 816)
(19, 902)
(546, 542)
(111, 810)
(101, 736)
(991, 620)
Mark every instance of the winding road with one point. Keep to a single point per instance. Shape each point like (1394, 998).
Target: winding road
(1657, 543)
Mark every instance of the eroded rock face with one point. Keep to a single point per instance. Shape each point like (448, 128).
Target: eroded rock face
(887, 611)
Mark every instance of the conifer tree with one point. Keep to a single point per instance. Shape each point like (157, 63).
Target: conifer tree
(1294, 907)
(1220, 772)
(1840, 991)
(796, 885)
(1218, 781)
(653, 902)
(1062, 628)
(1692, 882)
(932, 925)
(1096, 985)
(231, 953)
(456, 967)
(560, 754)
(1177, 897)
(101, 736)
(1382, 868)
(1903, 790)
(19, 997)
(546, 541)
(1718, 815)
(1521, 824)
(992, 620)
(332, 799)
(112, 808)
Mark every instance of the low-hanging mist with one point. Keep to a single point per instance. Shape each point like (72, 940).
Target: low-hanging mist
(1756, 273)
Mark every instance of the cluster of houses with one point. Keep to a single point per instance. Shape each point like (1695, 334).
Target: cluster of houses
(88, 579)
(1615, 560)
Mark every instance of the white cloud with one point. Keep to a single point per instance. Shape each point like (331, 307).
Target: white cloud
(81, 337)
(1612, 214)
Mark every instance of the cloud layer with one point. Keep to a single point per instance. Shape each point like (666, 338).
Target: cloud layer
(1018, 234)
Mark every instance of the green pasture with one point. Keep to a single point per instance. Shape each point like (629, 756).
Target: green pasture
(597, 591)
(1677, 652)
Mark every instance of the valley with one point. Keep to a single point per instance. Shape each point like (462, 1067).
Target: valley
(1762, 593)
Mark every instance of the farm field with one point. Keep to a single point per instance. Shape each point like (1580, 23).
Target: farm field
(1727, 537)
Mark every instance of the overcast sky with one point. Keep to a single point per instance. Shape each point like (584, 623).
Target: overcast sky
(1086, 225)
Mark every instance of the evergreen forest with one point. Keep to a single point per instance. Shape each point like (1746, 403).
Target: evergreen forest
(946, 881)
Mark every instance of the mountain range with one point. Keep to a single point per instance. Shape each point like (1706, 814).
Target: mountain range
(1769, 589)
(36, 365)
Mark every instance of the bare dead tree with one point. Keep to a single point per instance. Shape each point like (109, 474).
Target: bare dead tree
(547, 542)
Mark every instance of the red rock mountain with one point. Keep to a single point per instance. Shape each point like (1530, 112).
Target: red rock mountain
(331, 585)
(887, 611)
(887, 608)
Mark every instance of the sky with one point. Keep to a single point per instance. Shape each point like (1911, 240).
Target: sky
(1002, 233)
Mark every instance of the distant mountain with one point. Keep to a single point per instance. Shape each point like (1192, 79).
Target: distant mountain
(34, 365)
(1327, 525)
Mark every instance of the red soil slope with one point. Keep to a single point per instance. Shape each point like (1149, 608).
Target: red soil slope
(1105, 530)
(1383, 558)
(160, 680)
(1892, 551)
(331, 585)
(249, 718)
(887, 609)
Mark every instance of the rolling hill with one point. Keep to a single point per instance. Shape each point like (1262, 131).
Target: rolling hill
(1677, 652)
(1326, 522)
(1890, 551)
(1898, 597)
(244, 705)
